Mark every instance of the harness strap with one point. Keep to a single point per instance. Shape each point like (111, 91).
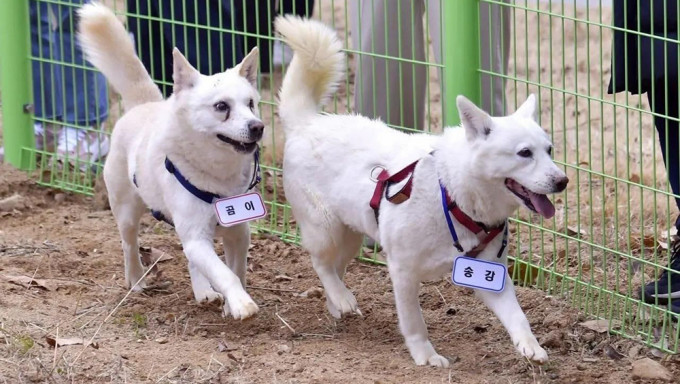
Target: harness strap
(207, 197)
(484, 234)
(255, 180)
(384, 180)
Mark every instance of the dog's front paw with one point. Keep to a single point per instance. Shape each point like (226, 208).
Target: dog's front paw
(438, 361)
(434, 360)
(136, 285)
(134, 279)
(529, 348)
(342, 304)
(240, 306)
(207, 296)
(423, 353)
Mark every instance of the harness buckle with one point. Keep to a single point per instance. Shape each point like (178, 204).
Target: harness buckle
(399, 198)
(376, 172)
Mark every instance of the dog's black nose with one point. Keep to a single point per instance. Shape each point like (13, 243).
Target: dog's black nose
(561, 184)
(256, 128)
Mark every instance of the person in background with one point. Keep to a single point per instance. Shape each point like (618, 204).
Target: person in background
(70, 102)
(281, 53)
(209, 50)
(396, 28)
(649, 64)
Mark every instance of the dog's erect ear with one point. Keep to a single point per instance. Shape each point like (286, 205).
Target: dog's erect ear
(248, 67)
(527, 109)
(476, 122)
(184, 76)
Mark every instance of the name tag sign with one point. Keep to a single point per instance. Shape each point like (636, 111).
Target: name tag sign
(480, 274)
(239, 209)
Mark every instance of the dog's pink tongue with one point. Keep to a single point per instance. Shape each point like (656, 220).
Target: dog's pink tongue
(542, 205)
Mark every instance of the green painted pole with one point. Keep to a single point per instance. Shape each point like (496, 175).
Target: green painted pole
(460, 55)
(15, 83)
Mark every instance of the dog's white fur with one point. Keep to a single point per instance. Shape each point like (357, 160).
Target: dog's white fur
(328, 161)
(184, 128)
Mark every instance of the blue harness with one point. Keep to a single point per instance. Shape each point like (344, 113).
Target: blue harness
(206, 196)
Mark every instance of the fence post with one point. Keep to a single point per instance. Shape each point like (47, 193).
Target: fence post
(460, 55)
(15, 83)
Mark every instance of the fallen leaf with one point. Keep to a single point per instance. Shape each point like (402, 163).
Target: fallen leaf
(634, 351)
(282, 278)
(574, 231)
(65, 342)
(26, 282)
(634, 178)
(312, 292)
(649, 369)
(525, 274)
(661, 342)
(657, 353)
(235, 355)
(600, 326)
(612, 353)
(149, 255)
(11, 203)
(223, 347)
(637, 242)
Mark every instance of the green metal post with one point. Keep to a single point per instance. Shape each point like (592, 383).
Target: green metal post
(460, 55)
(15, 83)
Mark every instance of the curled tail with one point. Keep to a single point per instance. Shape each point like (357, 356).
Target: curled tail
(315, 71)
(108, 47)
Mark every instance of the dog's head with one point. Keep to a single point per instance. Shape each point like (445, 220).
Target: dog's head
(222, 109)
(515, 152)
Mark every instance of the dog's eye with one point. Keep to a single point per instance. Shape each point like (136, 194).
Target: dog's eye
(221, 106)
(251, 105)
(549, 151)
(526, 152)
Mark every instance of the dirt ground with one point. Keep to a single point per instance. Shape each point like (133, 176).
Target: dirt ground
(70, 250)
(73, 252)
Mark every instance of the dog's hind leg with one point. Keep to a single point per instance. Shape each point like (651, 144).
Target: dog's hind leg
(128, 208)
(236, 240)
(410, 315)
(504, 304)
(329, 257)
(347, 249)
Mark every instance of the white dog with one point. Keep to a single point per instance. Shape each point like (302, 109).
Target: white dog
(176, 155)
(489, 167)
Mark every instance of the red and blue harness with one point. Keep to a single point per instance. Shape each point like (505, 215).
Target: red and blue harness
(485, 235)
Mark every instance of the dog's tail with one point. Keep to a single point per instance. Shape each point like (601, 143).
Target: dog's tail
(108, 47)
(315, 71)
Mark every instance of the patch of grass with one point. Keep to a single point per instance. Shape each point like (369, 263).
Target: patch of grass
(24, 343)
(139, 323)
(139, 320)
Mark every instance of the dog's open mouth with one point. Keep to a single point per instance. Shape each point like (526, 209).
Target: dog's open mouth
(536, 202)
(239, 146)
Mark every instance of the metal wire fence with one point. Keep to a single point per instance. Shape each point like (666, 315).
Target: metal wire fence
(612, 233)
